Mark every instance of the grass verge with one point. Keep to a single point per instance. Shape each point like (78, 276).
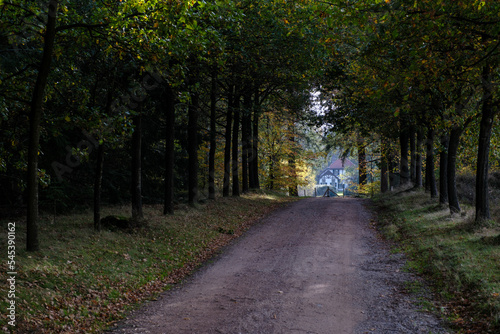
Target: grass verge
(462, 263)
(82, 281)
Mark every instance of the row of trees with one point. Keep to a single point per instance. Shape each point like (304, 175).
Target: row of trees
(420, 73)
(146, 84)
(198, 95)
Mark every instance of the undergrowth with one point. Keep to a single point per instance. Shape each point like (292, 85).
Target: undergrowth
(461, 262)
(82, 281)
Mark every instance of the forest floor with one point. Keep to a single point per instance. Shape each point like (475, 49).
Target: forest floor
(316, 266)
(82, 281)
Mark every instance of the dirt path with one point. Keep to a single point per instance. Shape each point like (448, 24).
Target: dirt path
(315, 266)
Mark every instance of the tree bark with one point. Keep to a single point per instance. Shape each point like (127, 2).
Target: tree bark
(403, 166)
(35, 117)
(293, 187)
(245, 142)
(384, 181)
(168, 206)
(443, 169)
(251, 154)
(136, 185)
(193, 150)
(235, 164)
(98, 187)
(418, 160)
(392, 167)
(255, 149)
(453, 145)
(429, 165)
(486, 125)
(213, 141)
(227, 147)
(362, 177)
(413, 155)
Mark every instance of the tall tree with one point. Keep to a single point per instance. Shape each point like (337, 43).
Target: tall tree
(227, 147)
(235, 143)
(213, 134)
(136, 169)
(193, 149)
(488, 113)
(430, 176)
(168, 107)
(35, 117)
(404, 171)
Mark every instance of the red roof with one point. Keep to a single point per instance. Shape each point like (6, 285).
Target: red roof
(337, 164)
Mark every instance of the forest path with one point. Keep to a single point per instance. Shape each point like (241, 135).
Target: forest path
(315, 266)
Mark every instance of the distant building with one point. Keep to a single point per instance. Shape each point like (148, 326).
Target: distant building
(332, 176)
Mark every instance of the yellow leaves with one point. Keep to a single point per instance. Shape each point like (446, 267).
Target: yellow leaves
(67, 118)
(480, 4)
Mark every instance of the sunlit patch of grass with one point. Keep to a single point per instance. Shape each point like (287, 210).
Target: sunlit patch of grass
(463, 264)
(81, 281)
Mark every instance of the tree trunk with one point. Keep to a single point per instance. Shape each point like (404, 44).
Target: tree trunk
(35, 117)
(486, 125)
(193, 150)
(255, 141)
(168, 206)
(235, 164)
(292, 187)
(271, 172)
(392, 167)
(245, 142)
(98, 186)
(384, 181)
(429, 165)
(362, 162)
(413, 155)
(227, 147)
(251, 155)
(453, 145)
(403, 166)
(255, 149)
(418, 160)
(213, 141)
(443, 169)
(136, 185)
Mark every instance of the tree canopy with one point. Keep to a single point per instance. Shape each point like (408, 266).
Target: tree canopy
(192, 94)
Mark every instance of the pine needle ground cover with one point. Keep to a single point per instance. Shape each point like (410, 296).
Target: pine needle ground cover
(82, 281)
(460, 261)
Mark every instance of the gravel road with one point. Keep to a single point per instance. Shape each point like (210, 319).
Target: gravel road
(315, 266)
